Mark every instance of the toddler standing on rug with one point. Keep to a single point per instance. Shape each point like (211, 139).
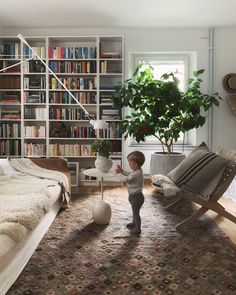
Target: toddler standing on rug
(134, 182)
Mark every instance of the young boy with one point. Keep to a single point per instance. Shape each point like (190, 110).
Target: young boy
(134, 181)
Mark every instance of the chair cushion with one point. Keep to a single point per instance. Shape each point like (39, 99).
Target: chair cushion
(200, 171)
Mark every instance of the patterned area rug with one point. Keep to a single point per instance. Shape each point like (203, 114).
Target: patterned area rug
(79, 257)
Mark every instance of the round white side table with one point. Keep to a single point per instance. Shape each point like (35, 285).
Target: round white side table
(101, 210)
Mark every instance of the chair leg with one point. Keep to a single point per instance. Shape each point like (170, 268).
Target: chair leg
(198, 213)
(172, 205)
(221, 211)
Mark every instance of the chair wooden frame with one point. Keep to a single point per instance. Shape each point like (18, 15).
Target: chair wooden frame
(212, 204)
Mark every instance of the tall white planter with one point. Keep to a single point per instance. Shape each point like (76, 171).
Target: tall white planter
(162, 163)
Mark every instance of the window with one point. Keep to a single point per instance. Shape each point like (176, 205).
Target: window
(178, 63)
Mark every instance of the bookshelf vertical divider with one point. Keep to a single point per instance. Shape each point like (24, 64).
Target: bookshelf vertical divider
(47, 100)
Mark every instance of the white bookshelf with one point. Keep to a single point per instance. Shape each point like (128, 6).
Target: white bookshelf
(89, 66)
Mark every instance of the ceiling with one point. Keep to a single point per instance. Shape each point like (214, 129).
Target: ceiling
(117, 13)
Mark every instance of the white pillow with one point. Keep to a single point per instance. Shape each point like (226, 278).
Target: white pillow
(6, 168)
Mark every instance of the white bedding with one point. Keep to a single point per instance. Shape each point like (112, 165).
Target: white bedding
(28, 205)
(7, 242)
(18, 254)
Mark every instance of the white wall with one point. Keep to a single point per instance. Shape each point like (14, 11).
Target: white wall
(171, 39)
(224, 120)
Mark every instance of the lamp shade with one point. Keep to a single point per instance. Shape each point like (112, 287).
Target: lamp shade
(99, 124)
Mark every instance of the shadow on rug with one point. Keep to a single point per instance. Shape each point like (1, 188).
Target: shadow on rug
(79, 257)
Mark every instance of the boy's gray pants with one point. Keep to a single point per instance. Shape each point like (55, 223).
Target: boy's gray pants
(136, 202)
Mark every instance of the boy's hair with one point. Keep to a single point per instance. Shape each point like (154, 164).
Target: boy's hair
(137, 156)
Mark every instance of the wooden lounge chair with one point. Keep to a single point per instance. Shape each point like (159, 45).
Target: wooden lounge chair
(212, 204)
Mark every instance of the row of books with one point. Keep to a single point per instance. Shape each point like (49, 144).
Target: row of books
(110, 117)
(106, 97)
(10, 114)
(81, 132)
(32, 149)
(73, 67)
(34, 83)
(9, 98)
(10, 82)
(10, 130)
(65, 98)
(107, 67)
(110, 114)
(113, 131)
(114, 54)
(35, 113)
(7, 63)
(33, 66)
(10, 50)
(41, 51)
(84, 52)
(110, 111)
(66, 114)
(10, 148)
(73, 83)
(35, 131)
(71, 150)
(32, 97)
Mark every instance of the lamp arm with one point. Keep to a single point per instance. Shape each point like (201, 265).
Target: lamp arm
(20, 36)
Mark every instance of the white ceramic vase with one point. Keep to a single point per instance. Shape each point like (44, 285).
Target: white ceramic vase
(103, 164)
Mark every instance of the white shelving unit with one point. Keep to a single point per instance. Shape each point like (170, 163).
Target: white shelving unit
(38, 118)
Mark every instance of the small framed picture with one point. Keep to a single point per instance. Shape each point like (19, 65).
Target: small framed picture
(74, 172)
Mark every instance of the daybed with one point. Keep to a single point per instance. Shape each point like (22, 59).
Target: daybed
(31, 194)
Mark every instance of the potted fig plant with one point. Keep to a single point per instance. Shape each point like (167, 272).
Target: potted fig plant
(102, 148)
(159, 108)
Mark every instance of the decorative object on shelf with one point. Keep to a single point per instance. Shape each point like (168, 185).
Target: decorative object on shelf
(160, 108)
(229, 83)
(59, 130)
(103, 148)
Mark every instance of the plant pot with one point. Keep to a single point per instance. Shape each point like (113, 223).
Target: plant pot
(103, 164)
(163, 163)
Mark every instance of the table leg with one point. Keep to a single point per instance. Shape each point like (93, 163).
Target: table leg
(102, 187)
(101, 210)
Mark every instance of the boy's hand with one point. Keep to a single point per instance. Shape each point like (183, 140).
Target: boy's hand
(118, 168)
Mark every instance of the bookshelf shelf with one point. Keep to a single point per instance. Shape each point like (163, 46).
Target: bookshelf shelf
(48, 122)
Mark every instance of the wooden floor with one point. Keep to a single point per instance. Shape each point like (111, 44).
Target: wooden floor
(227, 226)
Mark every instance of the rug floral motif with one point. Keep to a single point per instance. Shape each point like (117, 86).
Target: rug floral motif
(76, 256)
